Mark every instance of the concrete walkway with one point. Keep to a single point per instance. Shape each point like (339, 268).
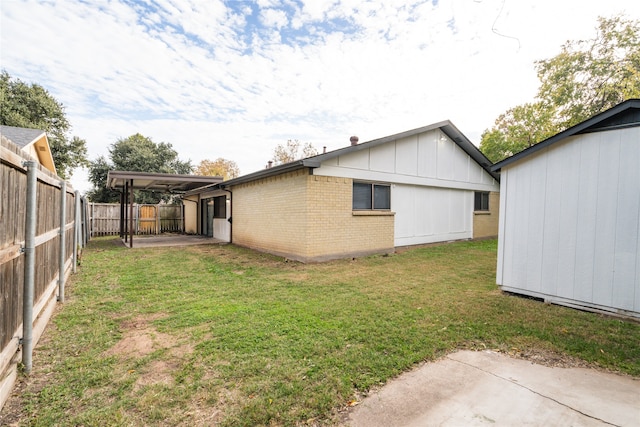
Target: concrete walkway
(171, 240)
(470, 388)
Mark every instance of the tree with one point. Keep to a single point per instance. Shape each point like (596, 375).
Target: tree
(31, 106)
(293, 150)
(519, 128)
(136, 153)
(228, 169)
(98, 170)
(584, 79)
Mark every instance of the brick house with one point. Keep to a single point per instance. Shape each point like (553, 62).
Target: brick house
(421, 186)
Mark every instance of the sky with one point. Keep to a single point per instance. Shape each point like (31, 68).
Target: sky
(233, 79)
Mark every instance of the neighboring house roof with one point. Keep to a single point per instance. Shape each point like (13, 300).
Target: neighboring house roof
(314, 162)
(36, 139)
(167, 182)
(623, 115)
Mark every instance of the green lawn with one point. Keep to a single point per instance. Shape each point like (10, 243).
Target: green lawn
(219, 334)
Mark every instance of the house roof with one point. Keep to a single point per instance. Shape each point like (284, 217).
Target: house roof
(623, 115)
(167, 182)
(25, 137)
(315, 161)
(22, 137)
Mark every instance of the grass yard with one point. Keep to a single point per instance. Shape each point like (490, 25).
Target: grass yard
(222, 335)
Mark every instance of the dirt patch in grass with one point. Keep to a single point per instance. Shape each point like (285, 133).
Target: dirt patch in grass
(140, 339)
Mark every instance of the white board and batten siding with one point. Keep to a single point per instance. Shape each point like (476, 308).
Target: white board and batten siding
(432, 184)
(570, 222)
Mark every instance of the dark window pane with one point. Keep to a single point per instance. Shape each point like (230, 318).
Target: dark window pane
(220, 207)
(361, 195)
(381, 197)
(481, 201)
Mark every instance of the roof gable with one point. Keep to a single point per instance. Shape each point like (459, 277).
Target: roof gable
(623, 115)
(315, 161)
(33, 141)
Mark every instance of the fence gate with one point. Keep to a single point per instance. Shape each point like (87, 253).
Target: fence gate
(148, 219)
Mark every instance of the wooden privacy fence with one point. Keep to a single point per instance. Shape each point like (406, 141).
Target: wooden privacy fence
(42, 227)
(148, 219)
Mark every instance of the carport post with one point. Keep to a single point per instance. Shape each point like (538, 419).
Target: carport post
(131, 214)
(122, 214)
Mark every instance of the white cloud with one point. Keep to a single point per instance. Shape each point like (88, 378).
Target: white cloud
(274, 18)
(221, 79)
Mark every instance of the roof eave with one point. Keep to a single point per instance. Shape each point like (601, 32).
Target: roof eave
(312, 162)
(574, 130)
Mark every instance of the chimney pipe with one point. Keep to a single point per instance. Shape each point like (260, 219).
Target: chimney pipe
(269, 164)
(324, 149)
(354, 140)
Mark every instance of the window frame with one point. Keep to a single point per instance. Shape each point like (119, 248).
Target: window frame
(483, 198)
(371, 202)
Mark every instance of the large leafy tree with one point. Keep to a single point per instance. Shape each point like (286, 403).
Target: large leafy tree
(31, 106)
(293, 150)
(227, 169)
(136, 153)
(584, 79)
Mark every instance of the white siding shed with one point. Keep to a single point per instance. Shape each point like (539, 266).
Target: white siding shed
(569, 229)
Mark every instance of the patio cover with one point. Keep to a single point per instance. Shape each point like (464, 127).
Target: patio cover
(126, 182)
(165, 182)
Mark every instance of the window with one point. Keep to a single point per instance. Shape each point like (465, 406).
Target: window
(220, 207)
(481, 202)
(367, 196)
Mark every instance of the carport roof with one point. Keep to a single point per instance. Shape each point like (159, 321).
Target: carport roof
(167, 182)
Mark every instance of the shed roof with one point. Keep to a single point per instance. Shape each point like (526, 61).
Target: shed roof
(34, 138)
(315, 161)
(167, 182)
(624, 115)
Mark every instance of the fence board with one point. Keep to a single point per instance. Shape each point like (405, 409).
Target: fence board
(148, 219)
(13, 194)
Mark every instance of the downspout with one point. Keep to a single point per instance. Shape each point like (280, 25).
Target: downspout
(29, 266)
(230, 214)
(62, 255)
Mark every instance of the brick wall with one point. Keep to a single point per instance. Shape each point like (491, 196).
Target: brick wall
(335, 231)
(269, 214)
(307, 218)
(485, 224)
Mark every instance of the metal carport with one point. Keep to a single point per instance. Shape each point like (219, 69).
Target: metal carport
(126, 182)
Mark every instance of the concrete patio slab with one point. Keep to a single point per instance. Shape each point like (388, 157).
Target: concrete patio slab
(470, 388)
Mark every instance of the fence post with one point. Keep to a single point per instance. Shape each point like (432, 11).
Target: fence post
(29, 266)
(76, 229)
(63, 223)
(93, 213)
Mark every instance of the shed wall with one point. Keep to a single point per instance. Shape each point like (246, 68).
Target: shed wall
(570, 222)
